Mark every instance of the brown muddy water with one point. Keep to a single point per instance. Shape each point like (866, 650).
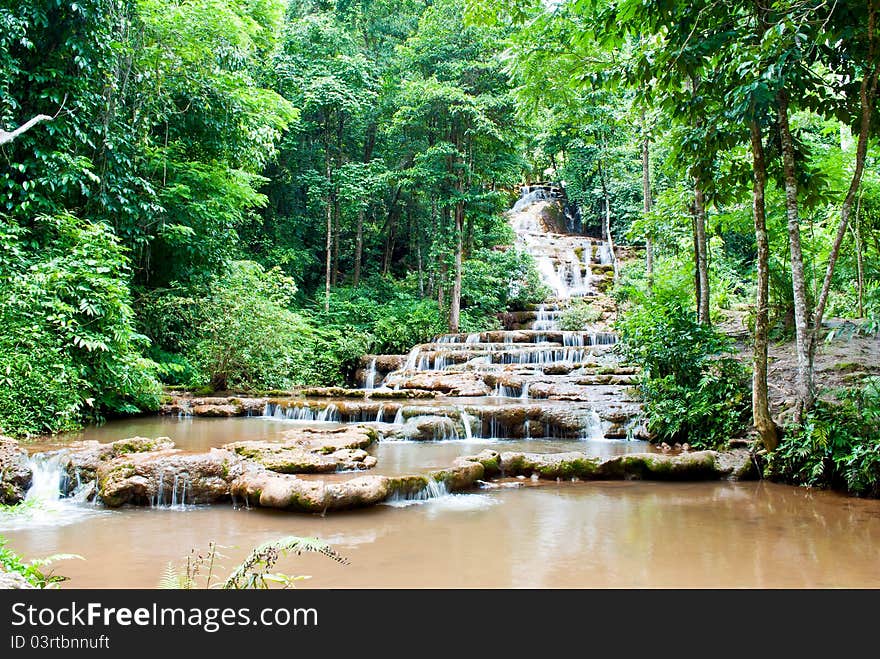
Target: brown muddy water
(553, 535)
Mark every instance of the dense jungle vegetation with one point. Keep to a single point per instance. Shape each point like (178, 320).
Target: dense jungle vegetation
(250, 194)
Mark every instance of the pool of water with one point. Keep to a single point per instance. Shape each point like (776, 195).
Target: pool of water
(395, 458)
(517, 534)
(555, 535)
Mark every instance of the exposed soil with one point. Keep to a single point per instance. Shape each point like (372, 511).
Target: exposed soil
(843, 361)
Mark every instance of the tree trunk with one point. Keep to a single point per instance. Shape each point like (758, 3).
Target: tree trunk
(329, 242)
(760, 405)
(867, 93)
(455, 301)
(359, 248)
(648, 203)
(607, 222)
(860, 263)
(799, 287)
(697, 285)
(336, 238)
(702, 256)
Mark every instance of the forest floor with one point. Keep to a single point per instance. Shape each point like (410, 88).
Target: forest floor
(841, 362)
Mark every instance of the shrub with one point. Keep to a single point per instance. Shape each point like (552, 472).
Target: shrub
(493, 281)
(837, 445)
(578, 316)
(247, 337)
(68, 349)
(692, 388)
(32, 571)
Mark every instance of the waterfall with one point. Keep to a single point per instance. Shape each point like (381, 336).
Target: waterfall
(370, 382)
(398, 418)
(593, 429)
(551, 277)
(411, 359)
(329, 413)
(433, 490)
(466, 420)
(179, 487)
(49, 481)
(524, 394)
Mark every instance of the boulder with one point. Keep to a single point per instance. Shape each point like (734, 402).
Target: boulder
(86, 457)
(293, 459)
(217, 410)
(160, 477)
(691, 466)
(15, 474)
(312, 450)
(453, 383)
(13, 581)
(428, 428)
(549, 465)
(462, 475)
(291, 493)
(213, 406)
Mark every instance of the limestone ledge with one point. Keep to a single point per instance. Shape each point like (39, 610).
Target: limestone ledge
(142, 471)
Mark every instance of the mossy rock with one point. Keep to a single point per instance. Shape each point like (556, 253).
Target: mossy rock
(699, 465)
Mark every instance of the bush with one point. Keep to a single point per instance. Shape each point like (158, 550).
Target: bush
(493, 281)
(32, 571)
(578, 316)
(692, 388)
(68, 349)
(837, 446)
(247, 337)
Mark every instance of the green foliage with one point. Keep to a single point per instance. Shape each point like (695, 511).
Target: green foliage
(578, 316)
(247, 337)
(255, 572)
(694, 391)
(837, 446)
(494, 281)
(68, 349)
(32, 570)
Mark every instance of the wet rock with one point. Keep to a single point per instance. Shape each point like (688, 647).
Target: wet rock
(738, 464)
(697, 465)
(166, 475)
(549, 465)
(292, 459)
(14, 581)
(15, 475)
(217, 410)
(616, 431)
(453, 383)
(462, 475)
(84, 458)
(491, 461)
(385, 394)
(327, 440)
(285, 492)
(312, 450)
(428, 428)
(332, 392)
(403, 487)
(356, 493)
(213, 406)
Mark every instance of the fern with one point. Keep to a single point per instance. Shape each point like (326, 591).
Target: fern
(254, 571)
(170, 579)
